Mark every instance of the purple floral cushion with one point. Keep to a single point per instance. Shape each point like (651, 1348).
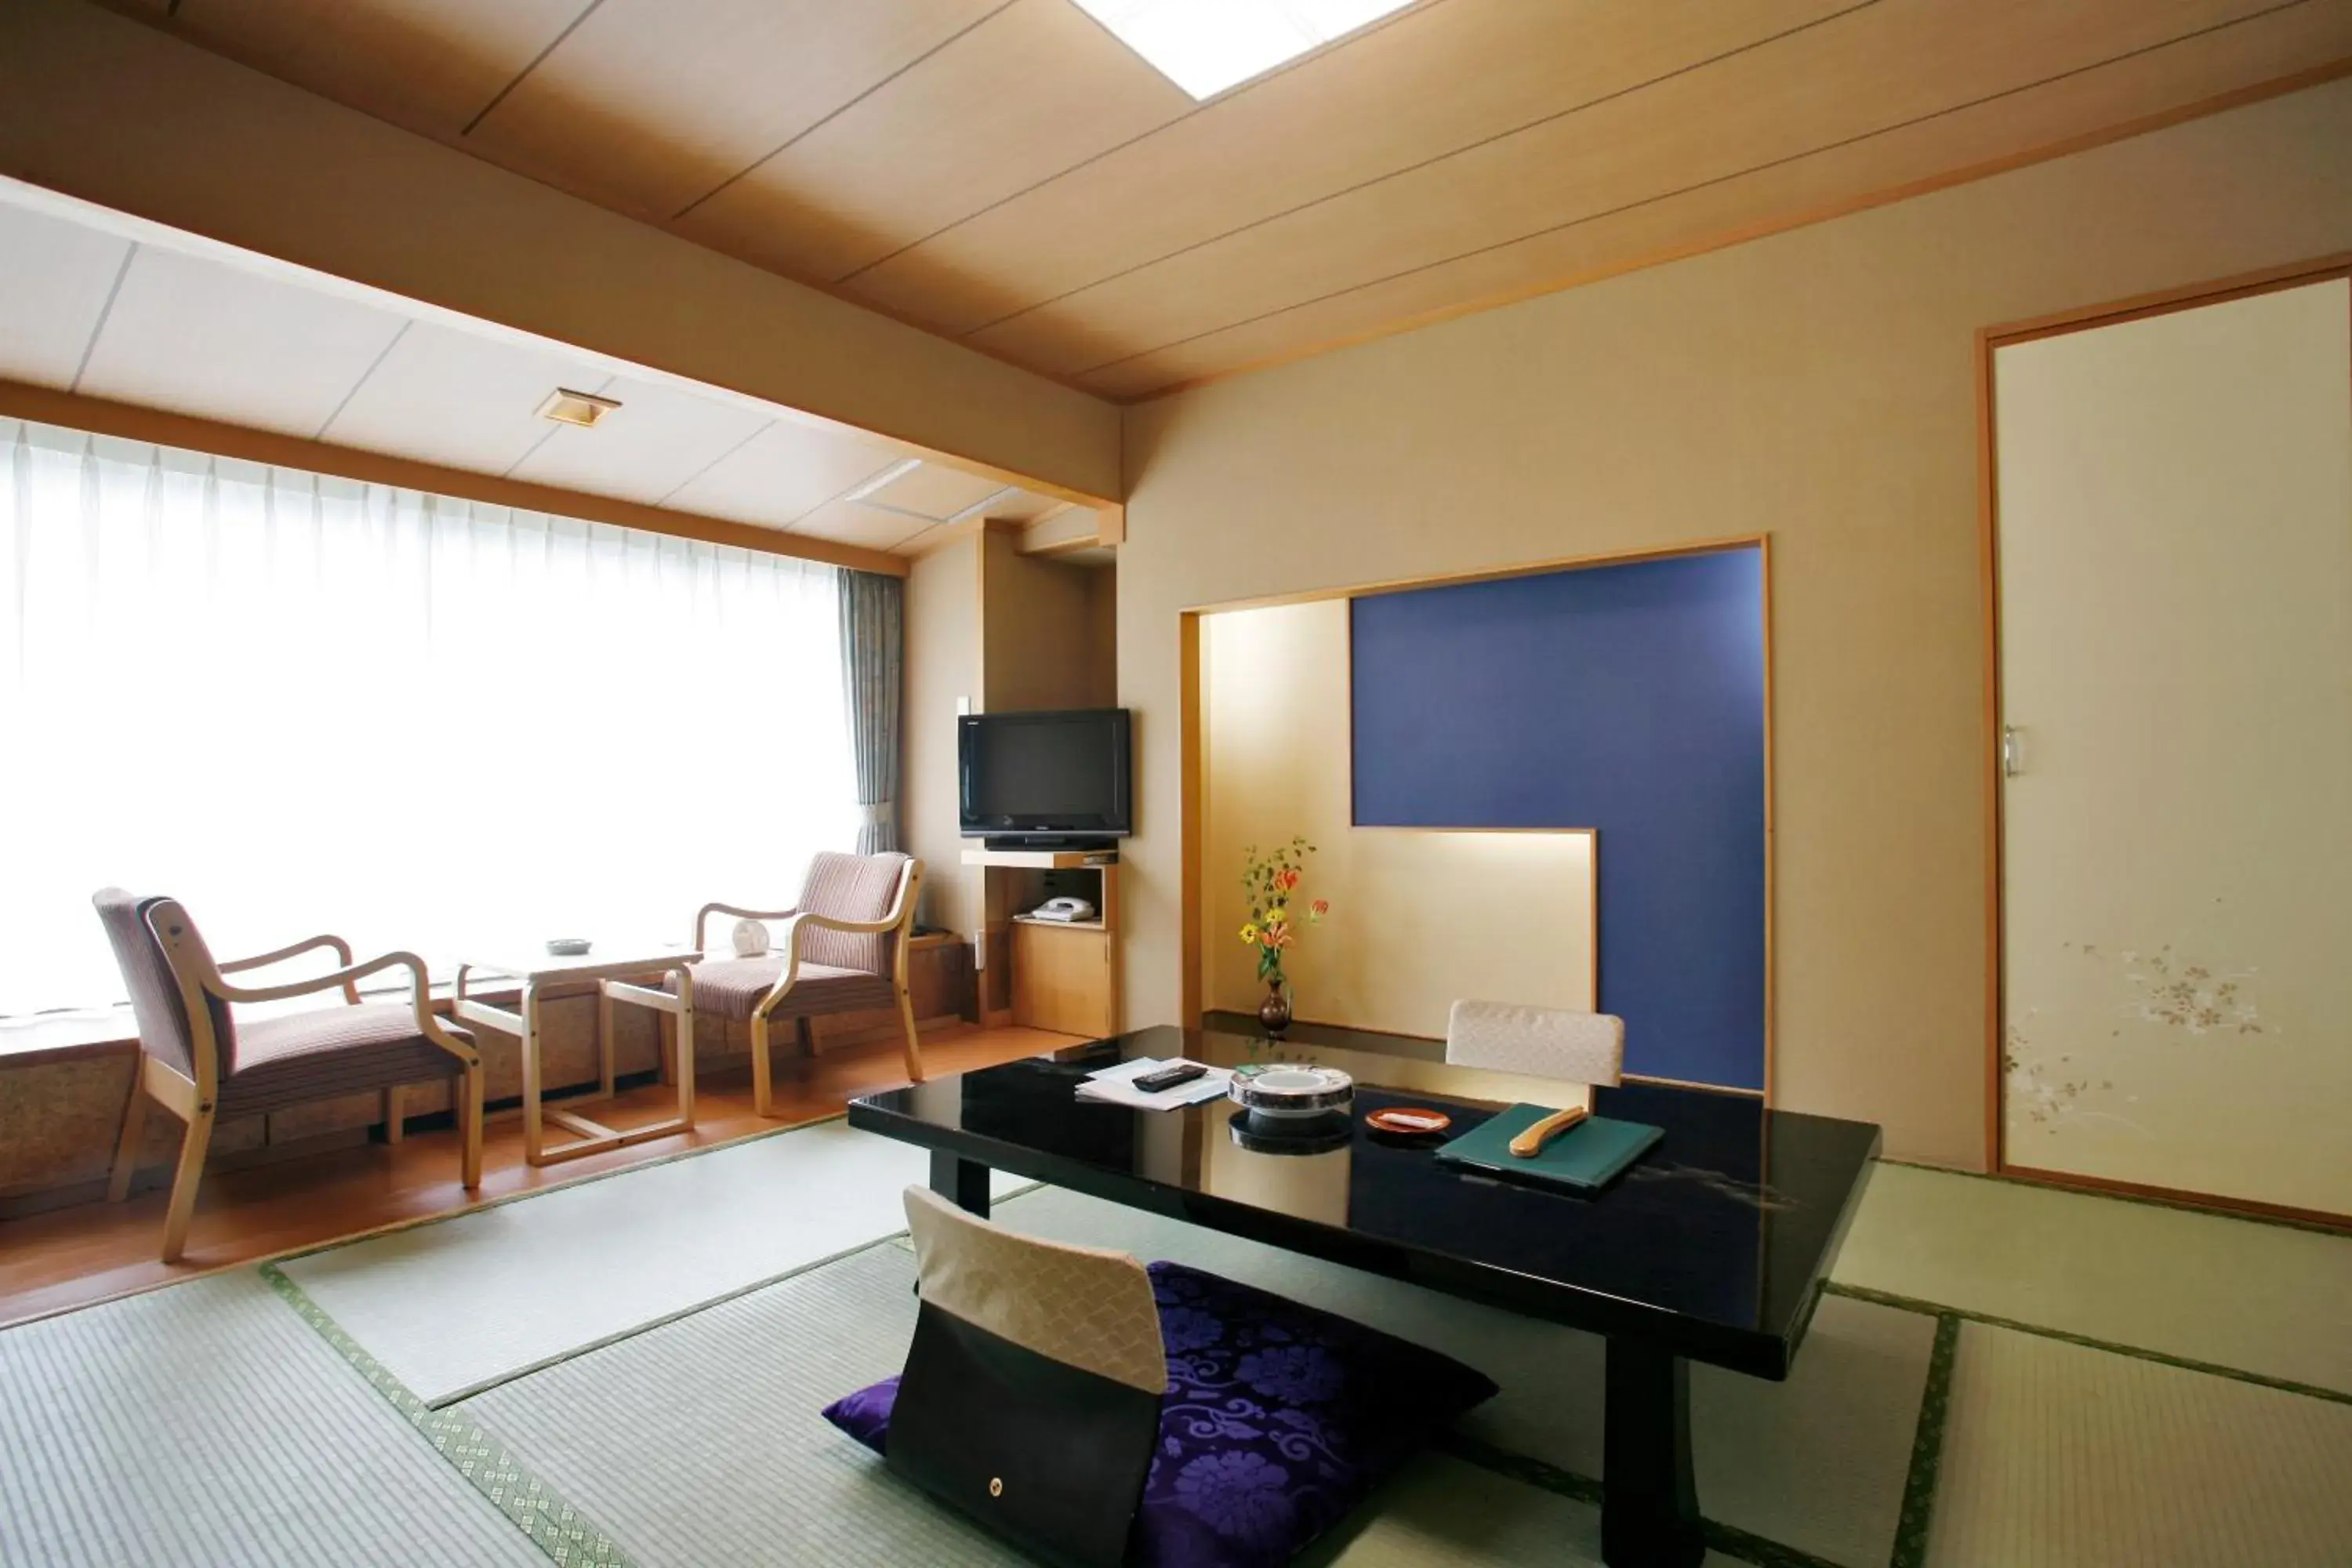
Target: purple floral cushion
(1278, 1420)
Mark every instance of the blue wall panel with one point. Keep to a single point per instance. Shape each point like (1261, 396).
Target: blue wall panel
(1628, 699)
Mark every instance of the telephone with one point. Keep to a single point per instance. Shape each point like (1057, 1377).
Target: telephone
(1065, 911)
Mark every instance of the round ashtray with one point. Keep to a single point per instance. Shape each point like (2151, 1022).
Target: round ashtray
(1317, 1132)
(1408, 1121)
(1291, 1089)
(568, 946)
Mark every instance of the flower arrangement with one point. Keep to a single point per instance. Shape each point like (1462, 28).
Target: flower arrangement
(1272, 880)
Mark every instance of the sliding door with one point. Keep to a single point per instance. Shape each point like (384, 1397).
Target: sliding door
(2174, 539)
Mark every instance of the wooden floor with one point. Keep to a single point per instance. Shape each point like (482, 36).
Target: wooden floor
(72, 1257)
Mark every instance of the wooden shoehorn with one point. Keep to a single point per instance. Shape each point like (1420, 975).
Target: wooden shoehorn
(1529, 1143)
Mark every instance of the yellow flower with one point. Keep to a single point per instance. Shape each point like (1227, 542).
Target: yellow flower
(1277, 916)
(1249, 933)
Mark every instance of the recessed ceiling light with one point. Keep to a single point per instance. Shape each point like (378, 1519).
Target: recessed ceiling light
(566, 406)
(1207, 46)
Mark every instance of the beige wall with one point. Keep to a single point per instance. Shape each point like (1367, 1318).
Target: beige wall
(942, 668)
(1045, 642)
(100, 106)
(1419, 917)
(1819, 386)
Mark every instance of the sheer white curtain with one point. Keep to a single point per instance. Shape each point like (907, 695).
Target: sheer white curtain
(302, 704)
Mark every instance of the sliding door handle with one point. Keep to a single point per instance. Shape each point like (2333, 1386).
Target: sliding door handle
(2013, 751)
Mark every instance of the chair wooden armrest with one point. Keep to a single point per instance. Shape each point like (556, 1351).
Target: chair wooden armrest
(702, 919)
(263, 960)
(901, 914)
(347, 979)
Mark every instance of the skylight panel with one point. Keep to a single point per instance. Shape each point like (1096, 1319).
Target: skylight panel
(1207, 46)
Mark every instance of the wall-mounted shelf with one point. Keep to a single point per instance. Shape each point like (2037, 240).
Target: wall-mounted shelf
(1043, 859)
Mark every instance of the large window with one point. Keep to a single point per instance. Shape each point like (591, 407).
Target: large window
(301, 704)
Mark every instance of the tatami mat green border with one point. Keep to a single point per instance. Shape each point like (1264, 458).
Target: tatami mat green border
(2236, 1374)
(567, 1535)
(1928, 1448)
(1724, 1537)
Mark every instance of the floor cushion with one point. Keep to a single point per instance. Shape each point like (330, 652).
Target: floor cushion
(1278, 1420)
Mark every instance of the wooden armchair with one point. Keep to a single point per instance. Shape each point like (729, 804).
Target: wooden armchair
(198, 1063)
(843, 948)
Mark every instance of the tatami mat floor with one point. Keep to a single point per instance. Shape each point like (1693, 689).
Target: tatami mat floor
(1988, 1386)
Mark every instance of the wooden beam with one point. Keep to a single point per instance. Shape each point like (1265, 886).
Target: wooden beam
(101, 416)
(97, 106)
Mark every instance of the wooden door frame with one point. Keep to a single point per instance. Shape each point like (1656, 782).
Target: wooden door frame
(2188, 297)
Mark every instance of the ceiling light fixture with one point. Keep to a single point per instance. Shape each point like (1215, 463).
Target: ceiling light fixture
(1207, 46)
(566, 406)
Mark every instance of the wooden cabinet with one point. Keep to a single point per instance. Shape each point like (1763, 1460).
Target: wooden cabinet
(1062, 978)
(1062, 975)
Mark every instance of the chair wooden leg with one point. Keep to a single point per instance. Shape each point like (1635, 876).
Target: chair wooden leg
(667, 1024)
(681, 1039)
(395, 1114)
(469, 1091)
(914, 1038)
(126, 1147)
(192, 1145)
(762, 1090)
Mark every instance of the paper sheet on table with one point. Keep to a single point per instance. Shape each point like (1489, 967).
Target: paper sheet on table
(1116, 1085)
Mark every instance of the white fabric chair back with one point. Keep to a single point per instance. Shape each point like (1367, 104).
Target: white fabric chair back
(1542, 1042)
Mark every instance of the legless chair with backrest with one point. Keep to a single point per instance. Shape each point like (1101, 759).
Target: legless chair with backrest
(1031, 1397)
(1587, 1048)
(200, 1064)
(843, 948)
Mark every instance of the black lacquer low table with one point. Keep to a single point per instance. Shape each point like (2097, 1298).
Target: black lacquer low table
(1713, 1247)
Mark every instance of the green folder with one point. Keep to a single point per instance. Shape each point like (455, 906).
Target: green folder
(1585, 1158)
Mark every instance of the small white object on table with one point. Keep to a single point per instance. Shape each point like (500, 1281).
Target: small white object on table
(1116, 1085)
(612, 967)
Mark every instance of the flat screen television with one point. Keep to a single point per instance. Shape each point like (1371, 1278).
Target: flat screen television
(1032, 777)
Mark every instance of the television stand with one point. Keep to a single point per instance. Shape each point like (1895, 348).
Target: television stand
(1049, 975)
(1062, 841)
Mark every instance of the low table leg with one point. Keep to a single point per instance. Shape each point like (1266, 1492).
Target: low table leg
(963, 1182)
(1649, 1504)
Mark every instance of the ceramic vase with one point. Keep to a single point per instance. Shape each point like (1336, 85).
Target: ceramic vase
(1274, 1013)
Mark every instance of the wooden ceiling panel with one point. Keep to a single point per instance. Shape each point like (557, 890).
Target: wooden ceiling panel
(651, 105)
(2153, 87)
(1005, 173)
(196, 336)
(1035, 90)
(55, 277)
(430, 65)
(462, 399)
(784, 473)
(1438, 79)
(1899, 61)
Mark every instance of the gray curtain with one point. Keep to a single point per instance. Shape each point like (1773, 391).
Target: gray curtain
(872, 643)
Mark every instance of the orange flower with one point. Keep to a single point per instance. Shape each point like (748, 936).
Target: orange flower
(1319, 908)
(1288, 879)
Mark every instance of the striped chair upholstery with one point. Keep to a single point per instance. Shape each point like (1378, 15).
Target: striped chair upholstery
(299, 1057)
(205, 1066)
(732, 988)
(837, 970)
(848, 888)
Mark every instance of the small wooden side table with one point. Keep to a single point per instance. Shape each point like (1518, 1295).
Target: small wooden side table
(611, 969)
